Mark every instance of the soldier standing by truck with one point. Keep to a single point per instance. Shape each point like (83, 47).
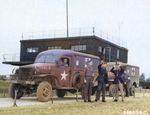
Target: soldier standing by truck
(88, 74)
(102, 80)
(118, 81)
(125, 77)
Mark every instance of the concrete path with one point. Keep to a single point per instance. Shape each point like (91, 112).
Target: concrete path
(24, 101)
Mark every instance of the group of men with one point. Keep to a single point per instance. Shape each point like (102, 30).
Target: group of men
(102, 80)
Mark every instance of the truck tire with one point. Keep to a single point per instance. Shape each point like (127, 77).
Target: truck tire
(60, 93)
(132, 90)
(44, 91)
(12, 88)
(112, 90)
(78, 81)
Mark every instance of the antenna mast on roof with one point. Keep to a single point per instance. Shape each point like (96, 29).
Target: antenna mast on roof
(67, 17)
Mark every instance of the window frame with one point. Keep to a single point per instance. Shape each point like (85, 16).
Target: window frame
(32, 49)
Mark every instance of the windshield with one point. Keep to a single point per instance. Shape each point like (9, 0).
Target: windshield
(45, 59)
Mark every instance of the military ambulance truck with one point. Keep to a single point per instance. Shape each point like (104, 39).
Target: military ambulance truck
(131, 71)
(48, 73)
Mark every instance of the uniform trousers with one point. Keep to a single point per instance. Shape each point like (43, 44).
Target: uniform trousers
(88, 88)
(101, 86)
(120, 86)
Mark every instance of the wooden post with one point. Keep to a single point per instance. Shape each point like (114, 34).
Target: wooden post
(52, 97)
(140, 90)
(15, 99)
(134, 92)
(4, 92)
(77, 95)
(143, 94)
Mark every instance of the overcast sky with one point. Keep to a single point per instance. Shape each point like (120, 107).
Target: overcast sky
(19, 16)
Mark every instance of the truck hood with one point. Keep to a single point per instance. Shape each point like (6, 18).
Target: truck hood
(40, 67)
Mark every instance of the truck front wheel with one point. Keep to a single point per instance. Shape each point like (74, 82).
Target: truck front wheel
(132, 90)
(44, 91)
(12, 88)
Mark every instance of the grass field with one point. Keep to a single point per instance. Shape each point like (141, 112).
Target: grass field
(132, 105)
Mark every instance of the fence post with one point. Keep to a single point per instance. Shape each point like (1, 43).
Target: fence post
(52, 96)
(22, 36)
(4, 92)
(140, 90)
(43, 34)
(93, 31)
(15, 99)
(134, 92)
(79, 31)
(77, 95)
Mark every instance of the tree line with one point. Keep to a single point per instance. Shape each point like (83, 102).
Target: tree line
(2, 77)
(143, 79)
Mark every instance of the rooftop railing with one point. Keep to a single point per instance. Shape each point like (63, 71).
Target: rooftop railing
(74, 33)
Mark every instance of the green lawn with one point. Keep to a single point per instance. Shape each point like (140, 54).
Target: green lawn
(131, 104)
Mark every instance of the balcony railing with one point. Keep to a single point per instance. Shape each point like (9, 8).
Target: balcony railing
(74, 33)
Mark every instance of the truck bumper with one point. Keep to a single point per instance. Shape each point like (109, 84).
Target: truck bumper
(23, 82)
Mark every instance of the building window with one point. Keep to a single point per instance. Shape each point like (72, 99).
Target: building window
(78, 48)
(54, 47)
(100, 48)
(32, 49)
(118, 54)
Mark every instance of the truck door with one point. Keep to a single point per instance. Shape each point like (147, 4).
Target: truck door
(64, 71)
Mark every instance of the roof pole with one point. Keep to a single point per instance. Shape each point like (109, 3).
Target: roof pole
(67, 17)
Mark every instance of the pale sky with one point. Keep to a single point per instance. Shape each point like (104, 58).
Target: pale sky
(19, 16)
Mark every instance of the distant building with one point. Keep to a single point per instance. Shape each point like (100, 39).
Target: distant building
(91, 44)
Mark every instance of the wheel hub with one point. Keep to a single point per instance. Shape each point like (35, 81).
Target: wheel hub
(45, 91)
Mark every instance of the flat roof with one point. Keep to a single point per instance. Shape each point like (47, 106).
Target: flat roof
(71, 38)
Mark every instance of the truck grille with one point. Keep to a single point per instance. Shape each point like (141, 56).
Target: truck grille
(24, 73)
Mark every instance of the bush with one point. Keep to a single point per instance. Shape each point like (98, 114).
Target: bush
(4, 85)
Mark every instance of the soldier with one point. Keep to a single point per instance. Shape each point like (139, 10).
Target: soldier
(118, 81)
(102, 80)
(65, 62)
(88, 73)
(126, 79)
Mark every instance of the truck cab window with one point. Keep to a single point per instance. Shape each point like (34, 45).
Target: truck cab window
(65, 62)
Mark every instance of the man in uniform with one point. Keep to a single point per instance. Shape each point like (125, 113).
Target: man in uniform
(88, 74)
(118, 70)
(102, 80)
(126, 79)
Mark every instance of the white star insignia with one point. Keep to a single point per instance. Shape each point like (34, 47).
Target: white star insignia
(63, 75)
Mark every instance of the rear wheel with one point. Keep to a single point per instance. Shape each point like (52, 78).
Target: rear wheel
(12, 88)
(112, 90)
(44, 91)
(132, 90)
(78, 81)
(60, 93)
